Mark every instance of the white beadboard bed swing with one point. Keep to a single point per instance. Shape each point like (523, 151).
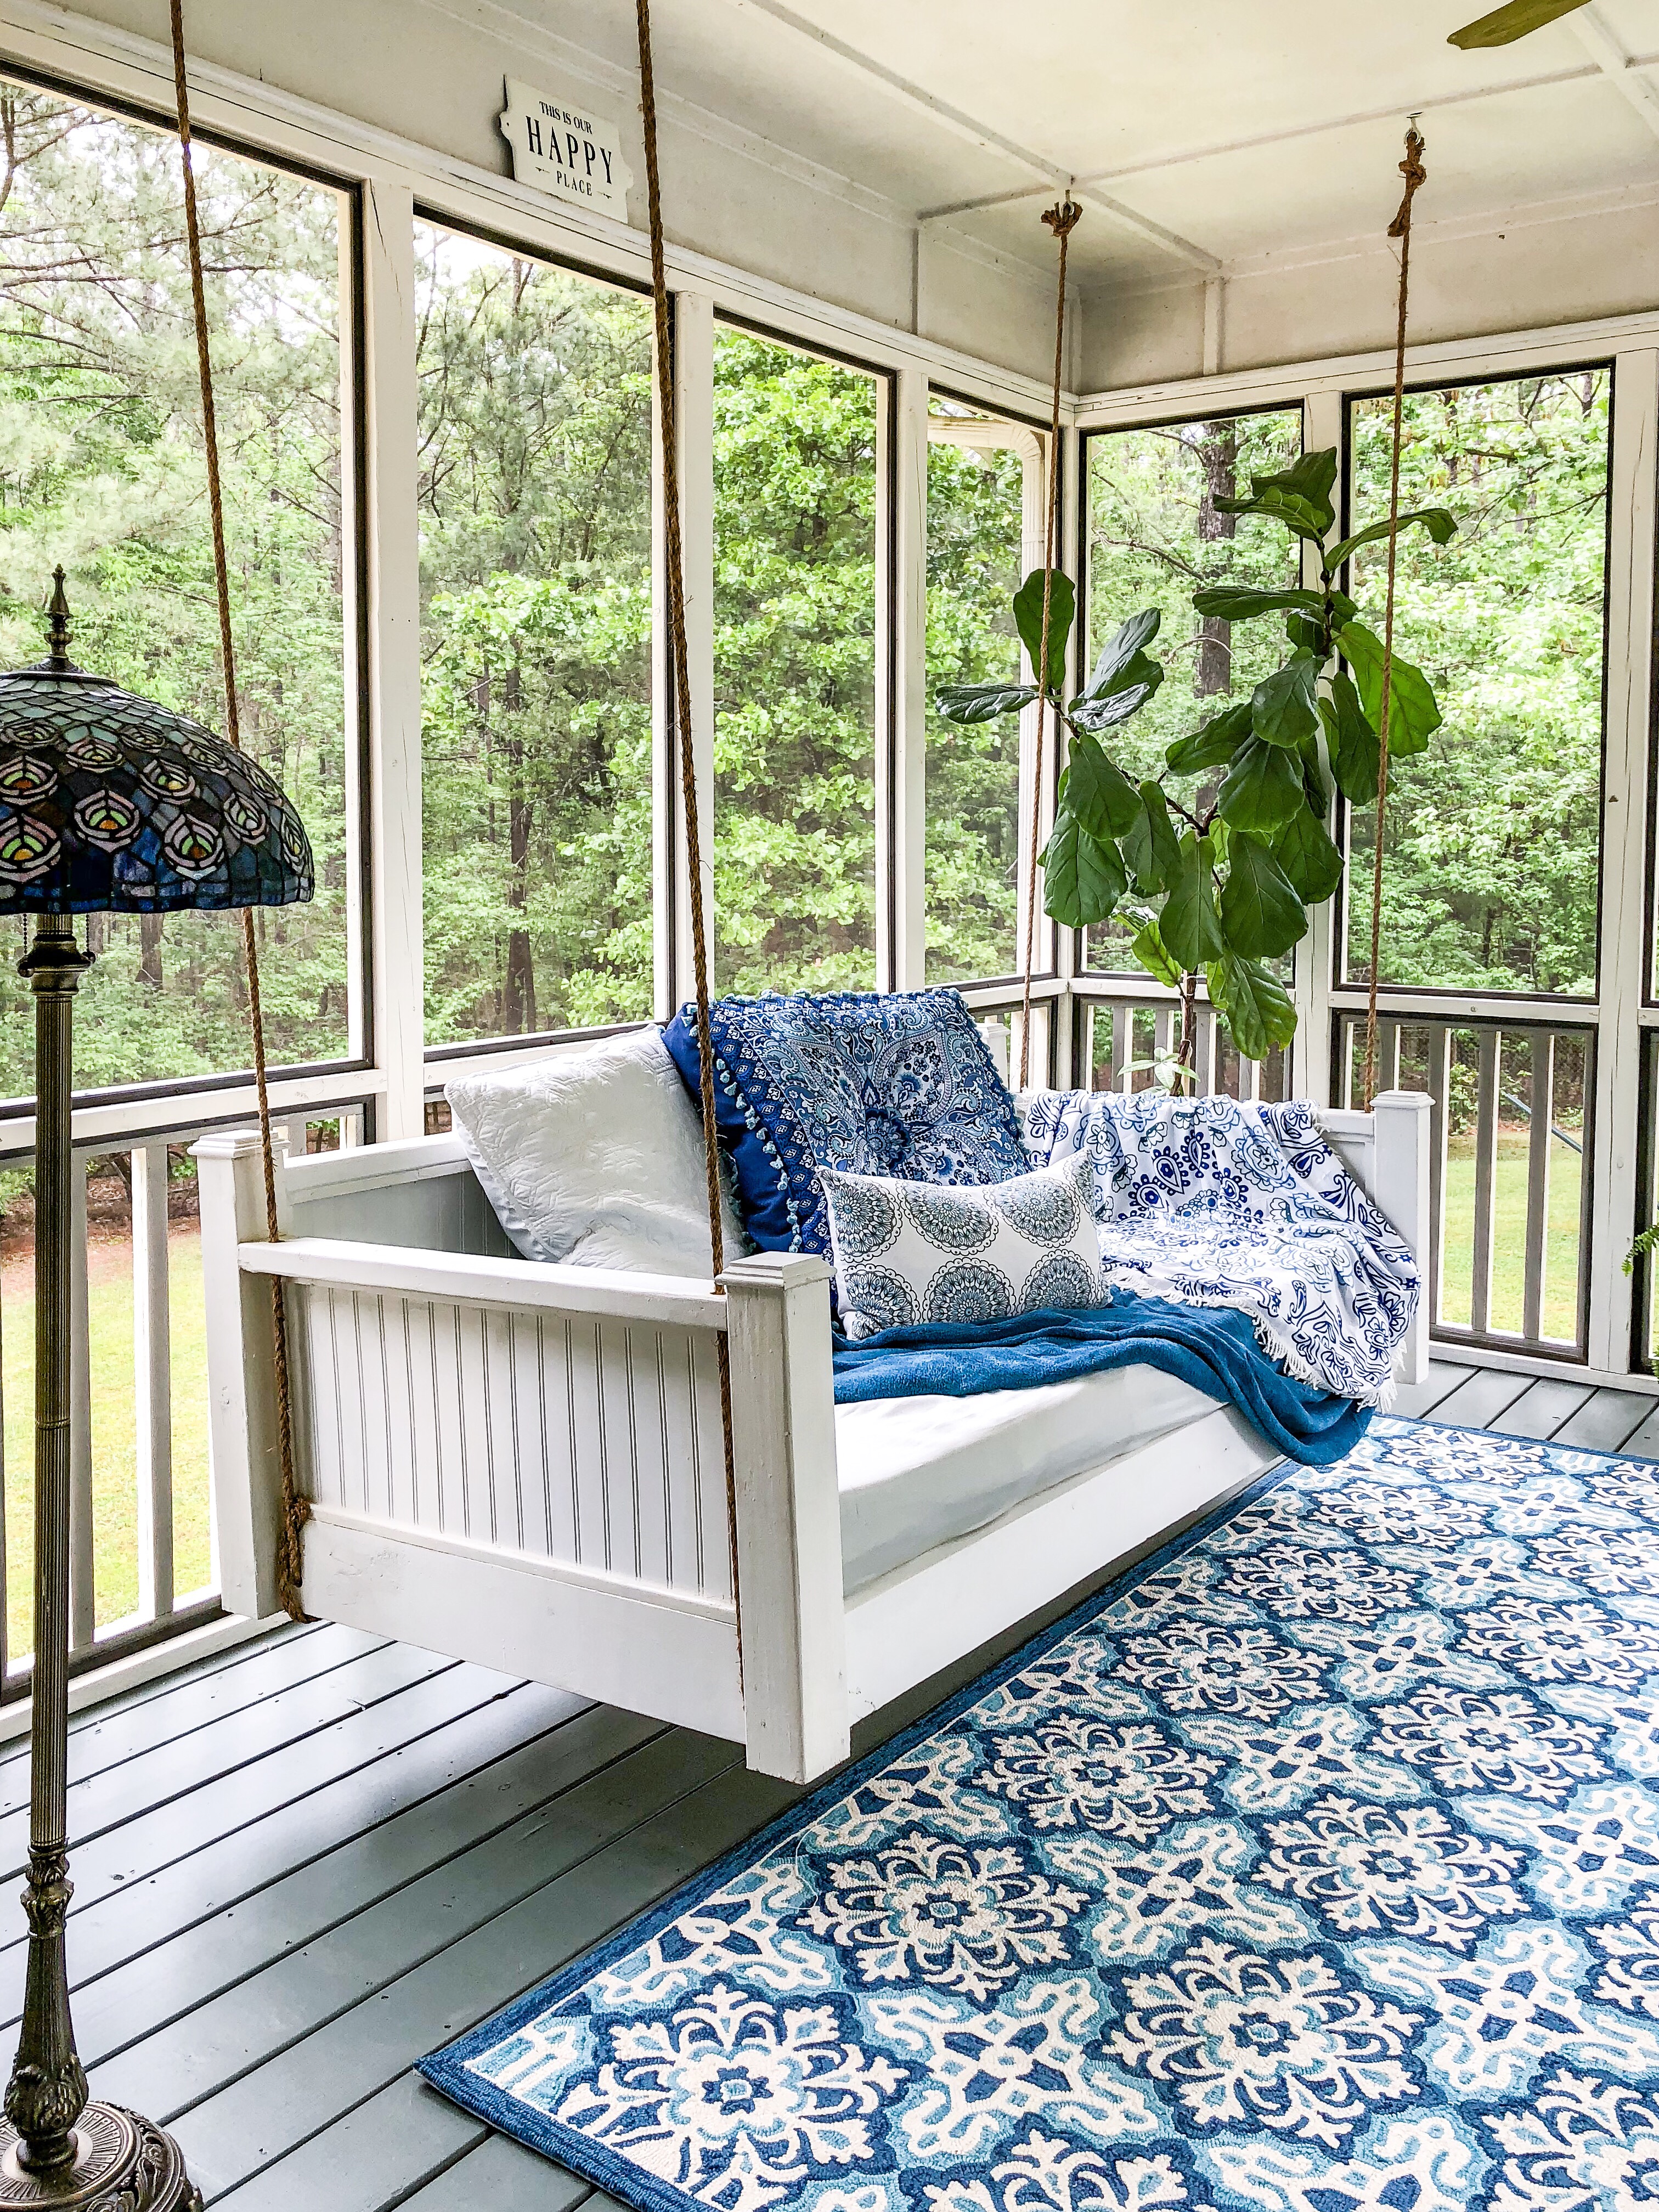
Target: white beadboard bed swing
(520, 1463)
(528, 1464)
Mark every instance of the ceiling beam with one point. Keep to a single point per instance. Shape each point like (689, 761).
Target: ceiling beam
(1616, 65)
(1185, 157)
(914, 96)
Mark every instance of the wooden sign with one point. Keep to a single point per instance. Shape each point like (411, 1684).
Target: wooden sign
(565, 149)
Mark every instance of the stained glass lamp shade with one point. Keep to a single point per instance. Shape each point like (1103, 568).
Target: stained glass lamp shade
(108, 803)
(112, 804)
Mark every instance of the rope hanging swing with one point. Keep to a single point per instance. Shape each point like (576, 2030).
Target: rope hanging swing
(1416, 175)
(1062, 220)
(680, 725)
(295, 1507)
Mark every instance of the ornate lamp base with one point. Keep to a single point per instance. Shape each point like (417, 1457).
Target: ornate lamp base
(122, 2163)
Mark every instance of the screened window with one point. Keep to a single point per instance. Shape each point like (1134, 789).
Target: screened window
(535, 506)
(1155, 535)
(101, 466)
(1492, 858)
(984, 504)
(795, 513)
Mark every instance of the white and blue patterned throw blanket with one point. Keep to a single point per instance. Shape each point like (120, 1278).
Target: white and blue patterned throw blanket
(1316, 1869)
(1210, 1203)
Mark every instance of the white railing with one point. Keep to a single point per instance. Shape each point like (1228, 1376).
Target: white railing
(141, 1566)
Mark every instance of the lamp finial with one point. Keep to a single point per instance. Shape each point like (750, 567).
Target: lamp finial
(57, 639)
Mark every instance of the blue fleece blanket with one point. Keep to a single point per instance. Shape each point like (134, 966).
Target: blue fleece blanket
(1214, 1349)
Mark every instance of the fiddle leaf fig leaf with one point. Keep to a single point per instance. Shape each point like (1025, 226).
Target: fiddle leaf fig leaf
(1264, 788)
(1282, 710)
(1127, 695)
(1256, 1005)
(1148, 945)
(1239, 602)
(1123, 647)
(981, 702)
(1101, 796)
(1311, 862)
(1440, 523)
(1261, 912)
(1028, 620)
(1150, 848)
(1299, 496)
(1083, 876)
(1188, 926)
(1351, 741)
(1213, 743)
(1413, 716)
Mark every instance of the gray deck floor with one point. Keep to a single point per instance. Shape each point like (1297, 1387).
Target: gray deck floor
(301, 1865)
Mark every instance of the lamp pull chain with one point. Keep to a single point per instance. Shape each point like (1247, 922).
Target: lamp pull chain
(296, 1507)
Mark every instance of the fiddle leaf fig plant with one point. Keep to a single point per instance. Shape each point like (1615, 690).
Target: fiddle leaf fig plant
(1214, 865)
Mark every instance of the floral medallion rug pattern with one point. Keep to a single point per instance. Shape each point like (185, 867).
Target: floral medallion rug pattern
(1314, 1868)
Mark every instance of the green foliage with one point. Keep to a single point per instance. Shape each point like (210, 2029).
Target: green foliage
(1236, 879)
(101, 467)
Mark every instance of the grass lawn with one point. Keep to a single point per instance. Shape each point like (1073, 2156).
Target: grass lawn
(1508, 1235)
(115, 1572)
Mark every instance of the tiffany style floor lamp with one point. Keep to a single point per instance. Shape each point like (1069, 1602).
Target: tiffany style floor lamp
(108, 805)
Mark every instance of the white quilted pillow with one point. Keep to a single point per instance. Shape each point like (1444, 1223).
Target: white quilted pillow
(909, 1252)
(595, 1157)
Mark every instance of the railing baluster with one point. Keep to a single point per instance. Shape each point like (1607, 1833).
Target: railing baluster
(1486, 1175)
(152, 1370)
(5, 1586)
(83, 1603)
(1437, 1078)
(1123, 1045)
(1581, 1319)
(1541, 1115)
(1205, 1053)
(1387, 1055)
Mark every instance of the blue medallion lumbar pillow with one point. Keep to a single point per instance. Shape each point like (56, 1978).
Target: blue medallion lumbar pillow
(908, 1252)
(871, 1083)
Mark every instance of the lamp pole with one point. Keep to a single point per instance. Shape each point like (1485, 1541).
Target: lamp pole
(58, 2149)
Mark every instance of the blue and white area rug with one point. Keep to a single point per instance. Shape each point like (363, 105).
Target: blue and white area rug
(1314, 1869)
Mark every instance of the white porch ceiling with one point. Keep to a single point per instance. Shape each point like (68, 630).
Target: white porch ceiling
(1201, 138)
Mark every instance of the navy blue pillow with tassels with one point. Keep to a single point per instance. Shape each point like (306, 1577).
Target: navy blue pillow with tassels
(873, 1083)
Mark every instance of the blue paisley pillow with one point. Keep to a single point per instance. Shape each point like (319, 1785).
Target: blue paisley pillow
(874, 1083)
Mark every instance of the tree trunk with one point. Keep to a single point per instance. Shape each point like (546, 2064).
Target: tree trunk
(1217, 453)
(150, 950)
(519, 995)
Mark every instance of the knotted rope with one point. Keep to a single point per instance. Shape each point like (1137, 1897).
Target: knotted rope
(1062, 220)
(295, 1506)
(1415, 175)
(680, 724)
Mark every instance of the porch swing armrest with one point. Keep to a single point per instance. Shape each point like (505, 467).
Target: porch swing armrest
(787, 1534)
(1400, 1186)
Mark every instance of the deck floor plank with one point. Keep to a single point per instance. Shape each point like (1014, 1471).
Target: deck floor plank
(138, 1785)
(137, 1917)
(257, 2019)
(1416, 1401)
(499, 2175)
(1542, 1408)
(143, 1846)
(1481, 1398)
(1643, 1443)
(1606, 1421)
(124, 1730)
(277, 2108)
(177, 1977)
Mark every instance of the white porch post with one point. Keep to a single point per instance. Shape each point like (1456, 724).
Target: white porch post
(392, 817)
(902, 692)
(693, 418)
(1625, 950)
(1310, 1075)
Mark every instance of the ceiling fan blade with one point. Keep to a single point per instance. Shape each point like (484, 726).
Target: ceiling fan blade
(1512, 21)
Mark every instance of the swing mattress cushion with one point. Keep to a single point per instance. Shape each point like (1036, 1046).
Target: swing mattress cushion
(877, 1083)
(917, 1473)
